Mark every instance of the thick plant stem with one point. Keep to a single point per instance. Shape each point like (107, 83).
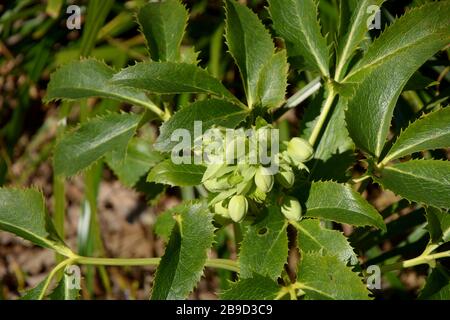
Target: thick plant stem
(323, 116)
(213, 263)
(422, 259)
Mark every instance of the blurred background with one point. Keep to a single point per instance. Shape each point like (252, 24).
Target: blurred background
(126, 220)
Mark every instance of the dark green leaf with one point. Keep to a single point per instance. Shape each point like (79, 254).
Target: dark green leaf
(171, 78)
(324, 277)
(426, 181)
(90, 78)
(313, 237)
(256, 288)
(430, 132)
(264, 249)
(438, 225)
(437, 286)
(182, 264)
(66, 289)
(164, 225)
(163, 25)
(92, 140)
(181, 175)
(387, 66)
(22, 212)
(296, 22)
(250, 44)
(211, 112)
(340, 203)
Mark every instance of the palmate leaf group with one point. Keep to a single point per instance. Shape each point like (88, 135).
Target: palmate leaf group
(362, 82)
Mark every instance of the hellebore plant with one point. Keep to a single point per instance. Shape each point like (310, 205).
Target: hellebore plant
(360, 83)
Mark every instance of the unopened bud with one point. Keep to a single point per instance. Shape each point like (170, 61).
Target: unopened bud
(221, 210)
(237, 208)
(264, 179)
(300, 150)
(291, 208)
(286, 178)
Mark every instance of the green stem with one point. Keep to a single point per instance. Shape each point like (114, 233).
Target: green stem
(323, 116)
(213, 263)
(422, 259)
(55, 270)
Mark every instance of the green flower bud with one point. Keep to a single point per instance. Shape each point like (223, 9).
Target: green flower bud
(286, 178)
(291, 208)
(238, 207)
(264, 179)
(221, 210)
(236, 149)
(299, 150)
(216, 185)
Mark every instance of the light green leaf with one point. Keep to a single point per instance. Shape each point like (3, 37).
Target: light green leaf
(438, 225)
(272, 83)
(256, 288)
(426, 181)
(430, 132)
(22, 212)
(92, 140)
(313, 237)
(171, 78)
(90, 78)
(138, 160)
(34, 293)
(182, 264)
(181, 175)
(338, 202)
(211, 112)
(387, 66)
(296, 22)
(437, 286)
(164, 225)
(250, 44)
(163, 25)
(357, 30)
(264, 249)
(324, 277)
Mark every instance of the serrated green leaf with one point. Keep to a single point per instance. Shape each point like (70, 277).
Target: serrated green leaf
(255, 288)
(164, 225)
(356, 32)
(437, 286)
(312, 236)
(324, 277)
(22, 212)
(264, 249)
(182, 264)
(181, 175)
(338, 202)
(386, 67)
(138, 160)
(34, 293)
(249, 43)
(430, 132)
(296, 22)
(90, 78)
(92, 140)
(272, 82)
(211, 112)
(171, 78)
(426, 181)
(163, 25)
(438, 225)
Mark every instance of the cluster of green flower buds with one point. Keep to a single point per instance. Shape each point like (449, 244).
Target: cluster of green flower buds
(239, 185)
